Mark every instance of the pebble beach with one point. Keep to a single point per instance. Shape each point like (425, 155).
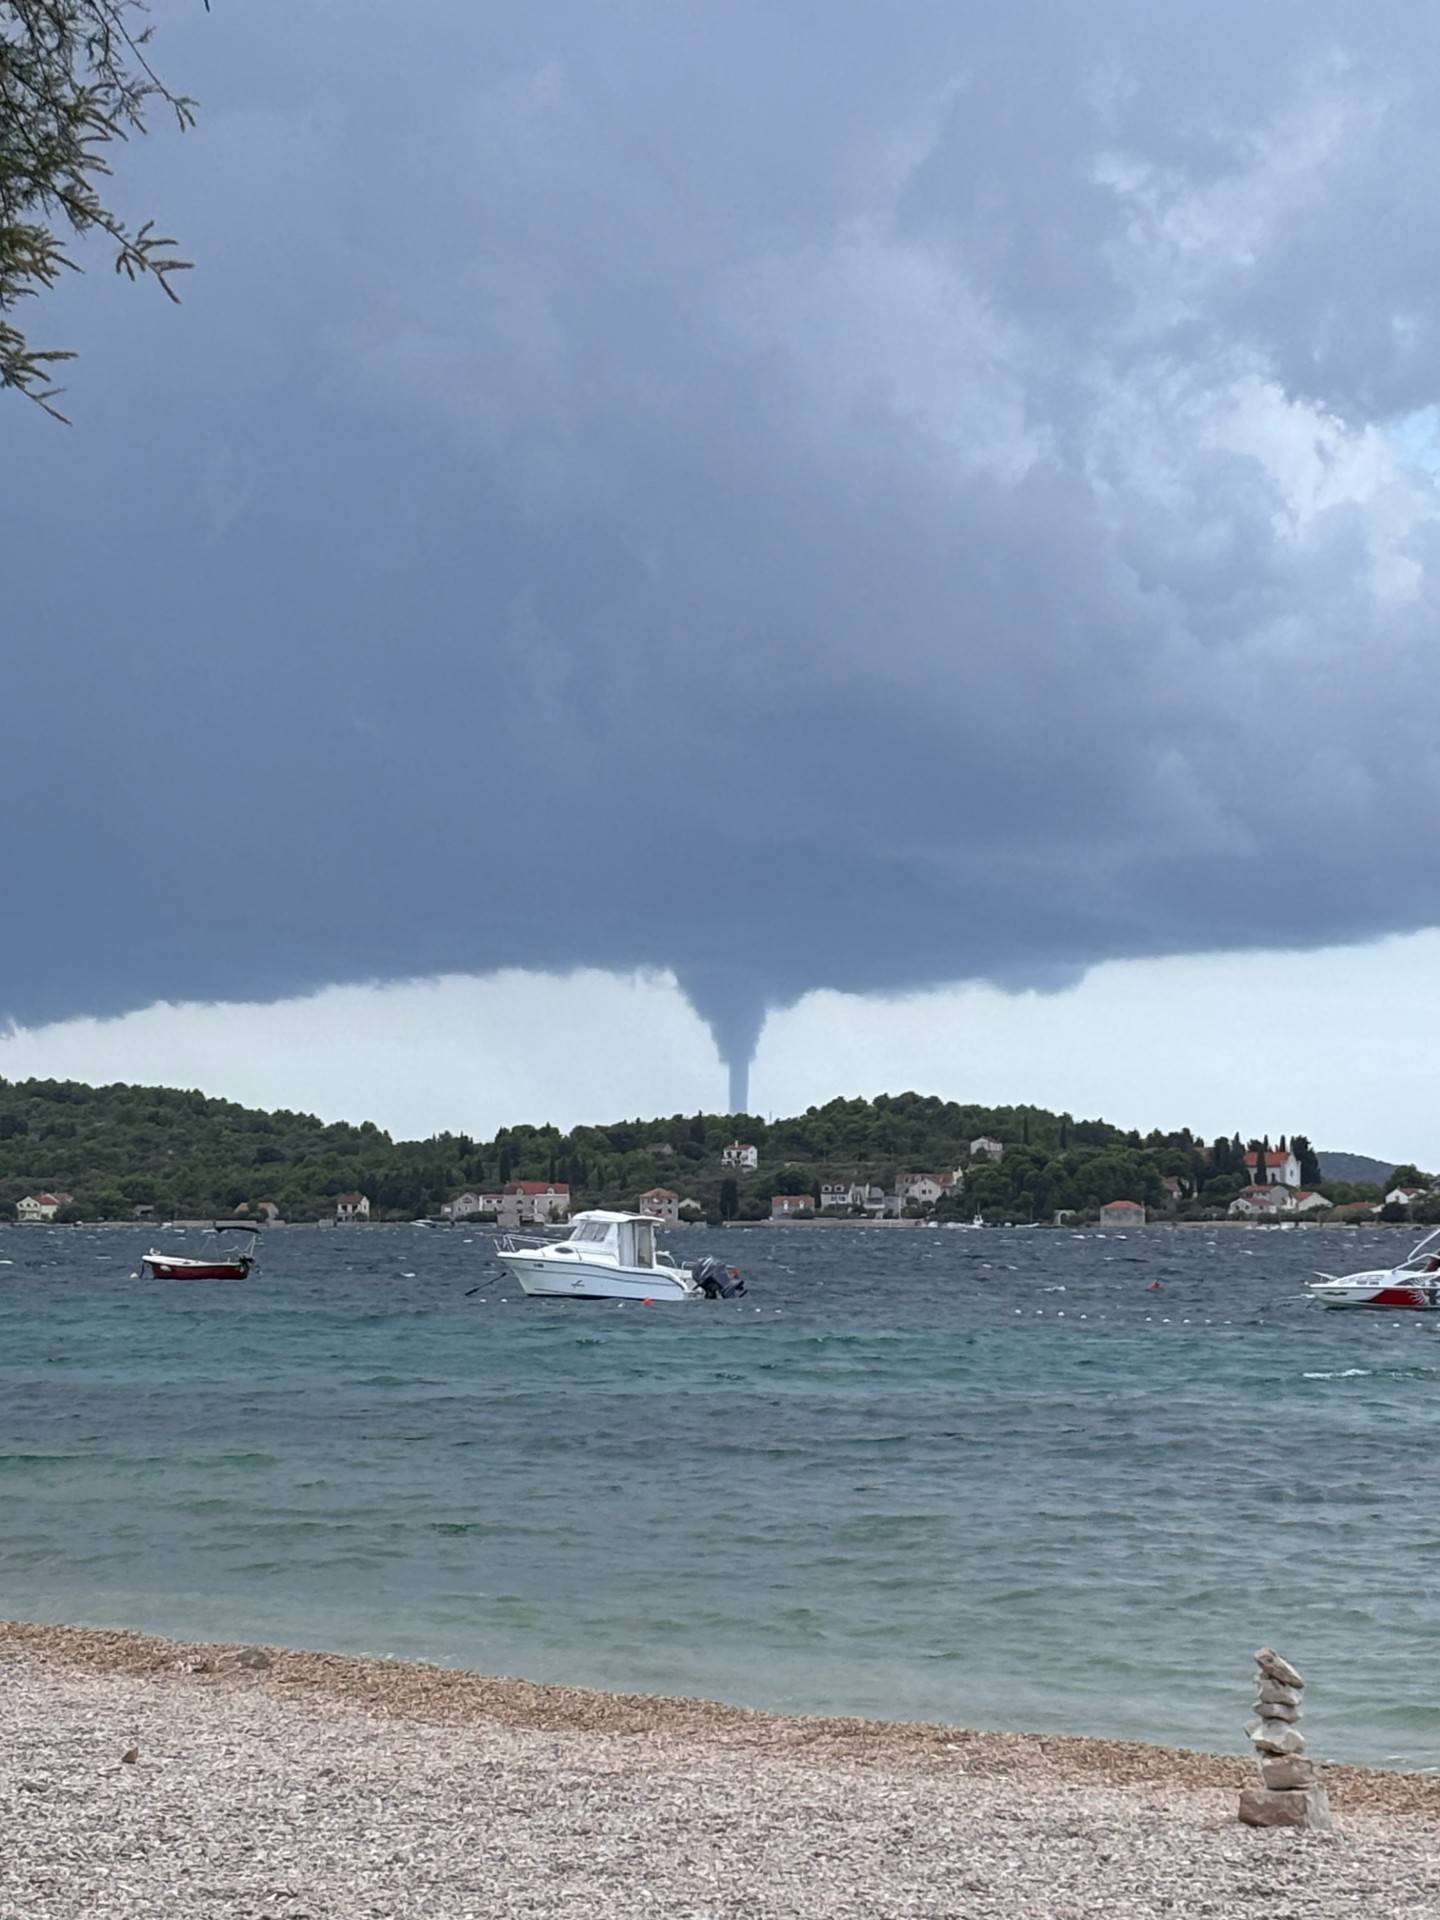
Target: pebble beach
(141, 1776)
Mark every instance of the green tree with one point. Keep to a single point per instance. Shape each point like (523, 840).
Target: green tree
(75, 79)
(1406, 1176)
(1309, 1160)
(791, 1180)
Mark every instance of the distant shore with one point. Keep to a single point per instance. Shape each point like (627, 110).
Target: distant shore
(145, 1776)
(700, 1226)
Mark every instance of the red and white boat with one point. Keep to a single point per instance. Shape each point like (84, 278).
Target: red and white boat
(228, 1266)
(1413, 1284)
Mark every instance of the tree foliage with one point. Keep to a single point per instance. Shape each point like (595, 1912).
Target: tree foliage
(120, 1148)
(75, 80)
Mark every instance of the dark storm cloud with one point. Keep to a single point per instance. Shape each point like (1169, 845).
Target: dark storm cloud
(807, 496)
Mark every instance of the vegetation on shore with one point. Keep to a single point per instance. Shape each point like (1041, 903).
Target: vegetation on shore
(119, 1149)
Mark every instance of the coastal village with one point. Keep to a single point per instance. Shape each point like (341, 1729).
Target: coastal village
(120, 1154)
(916, 1198)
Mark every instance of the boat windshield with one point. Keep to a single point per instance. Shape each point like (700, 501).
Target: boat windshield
(589, 1230)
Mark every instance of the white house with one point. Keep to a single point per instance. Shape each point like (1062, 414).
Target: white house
(1405, 1196)
(36, 1207)
(533, 1203)
(784, 1206)
(987, 1149)
(1122, 1213)
(1282, 1169)
(661, 1204)
(1267, 1200)
(840, 1193)
(463, 1207)
(1308, 1202)
(350, 1207)
(921, 1189)
(740, 1154)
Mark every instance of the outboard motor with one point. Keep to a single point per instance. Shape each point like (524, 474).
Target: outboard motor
(717, 1281)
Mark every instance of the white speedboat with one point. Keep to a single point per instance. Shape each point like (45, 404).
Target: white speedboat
(1413, 1284)
(611, 1256)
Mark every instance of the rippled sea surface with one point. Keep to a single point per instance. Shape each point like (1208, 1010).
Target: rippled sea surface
(994, 1478)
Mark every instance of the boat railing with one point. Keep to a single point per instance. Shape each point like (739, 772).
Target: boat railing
(510, 1242)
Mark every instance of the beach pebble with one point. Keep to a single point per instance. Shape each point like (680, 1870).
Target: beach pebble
(1276, 1710)
(1274, 1668)
(1289, 1771)
(375, 1790)
(1273, 1736)
(1261, 1807)
(1270, 1692)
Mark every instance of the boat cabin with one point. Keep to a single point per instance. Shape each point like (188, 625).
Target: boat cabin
(626, 1239)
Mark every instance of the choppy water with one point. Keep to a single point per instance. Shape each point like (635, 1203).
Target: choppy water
(986, 1478)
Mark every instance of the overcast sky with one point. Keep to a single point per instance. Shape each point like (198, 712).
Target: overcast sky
(790, 500)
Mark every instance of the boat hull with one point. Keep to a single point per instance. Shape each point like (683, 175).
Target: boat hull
(1406, 1296)
(585, 1280)
(162, 1269)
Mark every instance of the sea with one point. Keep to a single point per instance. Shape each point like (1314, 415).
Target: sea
(1042, 1480)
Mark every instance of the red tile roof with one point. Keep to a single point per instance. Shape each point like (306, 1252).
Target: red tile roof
(536, 1186)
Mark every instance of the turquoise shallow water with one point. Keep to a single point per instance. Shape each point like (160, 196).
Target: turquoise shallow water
(989, 1478)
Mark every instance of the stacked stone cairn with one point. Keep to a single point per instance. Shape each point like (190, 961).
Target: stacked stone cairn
(1291, 1794)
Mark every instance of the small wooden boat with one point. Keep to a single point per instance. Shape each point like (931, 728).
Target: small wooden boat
(228, 1266)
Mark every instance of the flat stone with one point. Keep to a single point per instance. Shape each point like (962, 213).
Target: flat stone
(1273, 1736)
(1276, 1710)
(255, 1658)
(1268, 1691)
(1274, 1668)
(1288, 1771)
(1259, 1807)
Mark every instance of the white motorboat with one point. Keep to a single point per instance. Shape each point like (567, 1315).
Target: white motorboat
(611, 1256)
(1413, 1284)
(224, 1266)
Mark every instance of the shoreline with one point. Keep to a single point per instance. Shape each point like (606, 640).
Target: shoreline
(143, 1777)
(457, 1698)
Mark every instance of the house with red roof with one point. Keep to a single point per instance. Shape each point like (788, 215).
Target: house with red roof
(1281, 1168)
(1257, 1203)
(535, 1203)
(1405, 1196)
(785, 1206)
(38, 1207)
(1122, 1213)
(661, 1204)
(921, 1189)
